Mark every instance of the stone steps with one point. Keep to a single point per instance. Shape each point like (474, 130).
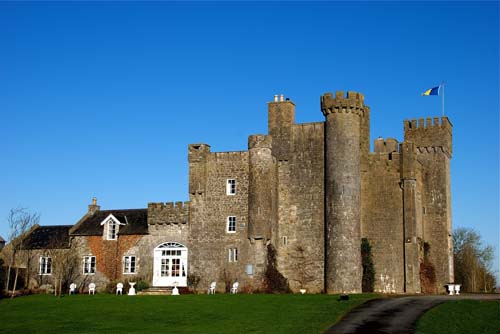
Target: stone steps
(157, 290)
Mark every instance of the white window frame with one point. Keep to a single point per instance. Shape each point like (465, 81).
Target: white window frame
(231, 187)
(231, 224)
(112, 229)
(128, 260)
(89, 265)
(233, 254)
(110, 219)
(45, 265)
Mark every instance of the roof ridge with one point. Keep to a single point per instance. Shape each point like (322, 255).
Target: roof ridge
(123, 210)
(56, 225)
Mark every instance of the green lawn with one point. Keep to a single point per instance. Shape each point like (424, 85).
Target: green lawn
(174, 314)
(462, 317)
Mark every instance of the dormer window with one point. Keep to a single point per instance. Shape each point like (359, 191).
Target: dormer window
(111, 227)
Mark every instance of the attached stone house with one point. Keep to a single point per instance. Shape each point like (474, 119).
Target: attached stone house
(42, 247)
(314, 189)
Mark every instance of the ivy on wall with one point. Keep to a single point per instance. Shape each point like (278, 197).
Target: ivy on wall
(274, 281)
(368, 268)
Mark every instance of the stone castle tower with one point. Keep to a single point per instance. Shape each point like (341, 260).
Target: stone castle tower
(317, 187)
(343, 155)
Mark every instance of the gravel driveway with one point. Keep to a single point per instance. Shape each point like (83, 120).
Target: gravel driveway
(392, 315)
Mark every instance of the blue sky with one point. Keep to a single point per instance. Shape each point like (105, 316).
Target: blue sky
(102, 99)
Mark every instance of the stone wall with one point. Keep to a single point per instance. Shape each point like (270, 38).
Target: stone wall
(109, 255)
(208, 238)
(382, 221)
(301, 207)
(159, 234)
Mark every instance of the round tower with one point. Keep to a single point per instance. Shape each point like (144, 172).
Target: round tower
(260, 187)
(343, 189)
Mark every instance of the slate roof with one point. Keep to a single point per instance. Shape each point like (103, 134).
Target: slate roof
(135, 220)
(48, 237)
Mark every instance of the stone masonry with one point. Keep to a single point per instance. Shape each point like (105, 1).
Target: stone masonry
(311, 190)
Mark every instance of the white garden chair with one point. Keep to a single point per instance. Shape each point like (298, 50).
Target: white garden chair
(234, 289)
(211, 289)
(92, 288)
(119, 288)
(72, 288)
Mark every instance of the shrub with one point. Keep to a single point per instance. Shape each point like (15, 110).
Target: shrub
(141, 285)
(193, 280)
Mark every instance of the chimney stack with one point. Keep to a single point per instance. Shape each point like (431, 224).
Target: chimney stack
(93, 208)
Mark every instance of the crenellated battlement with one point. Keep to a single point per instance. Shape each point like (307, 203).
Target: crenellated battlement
(168, 213)
(434, 123)
(430, 133)
(352, 103)
(260, 141)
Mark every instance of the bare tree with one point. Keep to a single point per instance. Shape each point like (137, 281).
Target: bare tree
(64, 262)
(20, 221)
(473, 261)
(64, 268)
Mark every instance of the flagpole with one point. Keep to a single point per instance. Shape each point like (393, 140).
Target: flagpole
(442, 101)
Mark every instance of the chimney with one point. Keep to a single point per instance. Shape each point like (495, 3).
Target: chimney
(93, 208)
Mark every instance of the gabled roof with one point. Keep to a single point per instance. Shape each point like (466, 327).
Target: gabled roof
(132, 221)
(47, 237)
(1, 239)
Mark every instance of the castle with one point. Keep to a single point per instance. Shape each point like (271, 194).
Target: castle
(312, 191)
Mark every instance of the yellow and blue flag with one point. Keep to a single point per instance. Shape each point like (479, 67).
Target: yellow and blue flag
(432, 91)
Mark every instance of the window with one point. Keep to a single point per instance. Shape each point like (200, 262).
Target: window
(231, 187)
(231, 224)
(249, 269)
(129, 264)
(112, 229)
(233, 254)
(45, 265)
(89, 265)
(285, 240)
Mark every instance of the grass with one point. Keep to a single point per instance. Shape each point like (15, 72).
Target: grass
(174, 314)
(461, 317)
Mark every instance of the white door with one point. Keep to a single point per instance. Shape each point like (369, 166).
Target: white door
(170, 265)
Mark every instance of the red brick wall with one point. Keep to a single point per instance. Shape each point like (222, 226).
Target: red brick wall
(109, 253)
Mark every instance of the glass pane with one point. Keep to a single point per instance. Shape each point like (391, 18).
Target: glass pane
(176, 267)
(165, 267)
